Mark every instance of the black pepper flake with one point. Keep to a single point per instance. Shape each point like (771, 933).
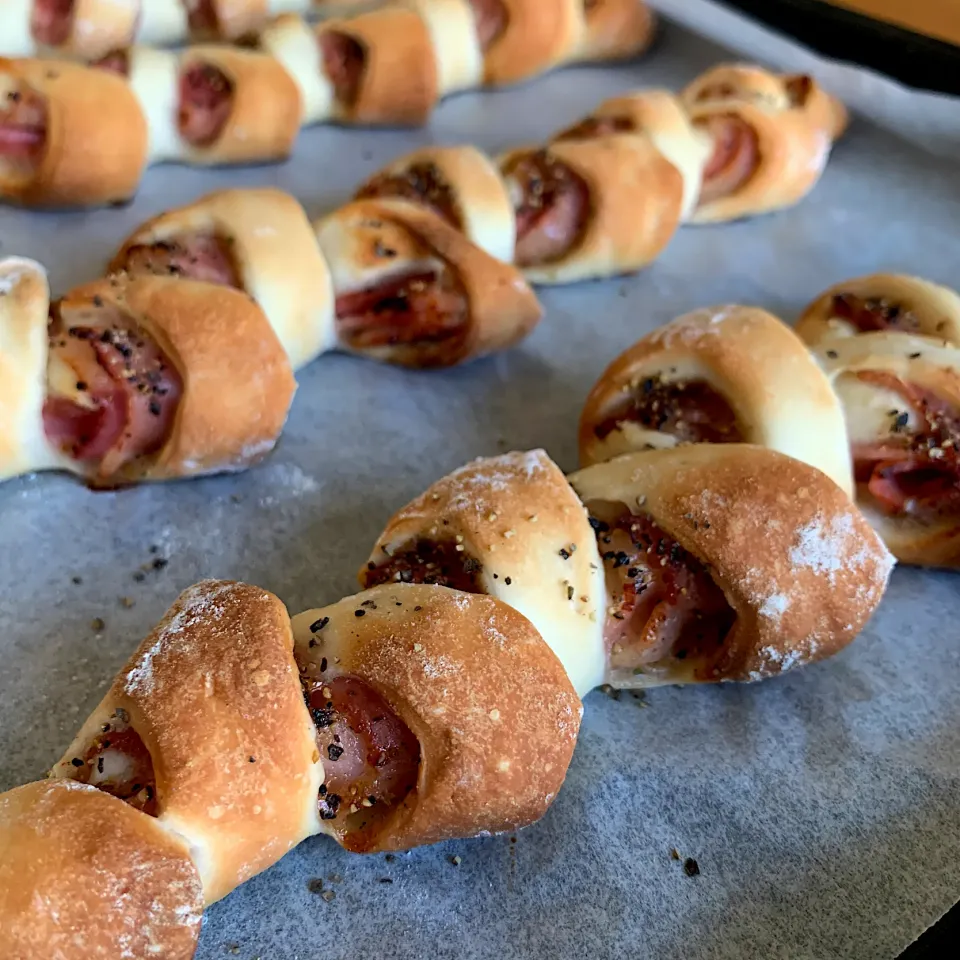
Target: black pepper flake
(369, 603)
(99, 764)
(385, 880)
(155, 408)
(691, 868)
(598, 525)
(312, 643)
(915, 356)
(334, 752)
(323, 665)
(315, 885)
(417, 609)
(77, 762)
(322, 718)
(76, 580)
(318, 625)
(139, 576)
(570, 593)
(159, 563)
(832, 354)
(507, 581)
(564, 553)
(901, 421)
(252, 759)
(104, 727)
(359, 613)
(328, 806)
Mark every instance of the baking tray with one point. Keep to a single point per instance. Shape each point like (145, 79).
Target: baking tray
(821, 808)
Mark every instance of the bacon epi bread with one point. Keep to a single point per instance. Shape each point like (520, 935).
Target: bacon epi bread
(128, 379)
(727, 374)
(901, 398)
(402, 716)
(211, 104)
(409, 713)
(882, 302)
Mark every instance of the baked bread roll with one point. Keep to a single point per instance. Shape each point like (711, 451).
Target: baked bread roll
(456, 44)
(429, 705)
(510, 527)
(293, 43)
(614, 30)
(155, 377)
(901, 396)
(660, 116)
(521, 39)
(206, 730)
(235, 106)
(381, 66)
(24, 302)
(883, 302)
(727, 562)
(592, 208)
(728, 374)
(761, 160)
(154, 77)
(256, 240)
(81, 29)
(772, 91)
(412, 290)
(82, 876)
(69, 135)
(459, 184)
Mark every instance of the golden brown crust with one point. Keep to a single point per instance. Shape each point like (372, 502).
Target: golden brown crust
(399, 84)
(779, 394)
(792, 155)
(214, 693)
(935, 309)
(237, 381)
(660, 115)
(914, 360)
(503, 309)
(482, 204)
(85, 877)
(615, 30)
(275, 251)
(771, 91)
(539, 34)
(265, 118)
(96, 142)
(487, 699)
(98, 27)
(518, 517)
(798, 564)
(636, 197)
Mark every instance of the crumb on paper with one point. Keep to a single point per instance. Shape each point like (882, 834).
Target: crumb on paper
(691, 868)
(97, 625)
(674, 854)
(328, 895)
(127, 602)
(315, 885)
(456, 860)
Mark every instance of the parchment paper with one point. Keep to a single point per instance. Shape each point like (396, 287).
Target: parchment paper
(821, 808)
